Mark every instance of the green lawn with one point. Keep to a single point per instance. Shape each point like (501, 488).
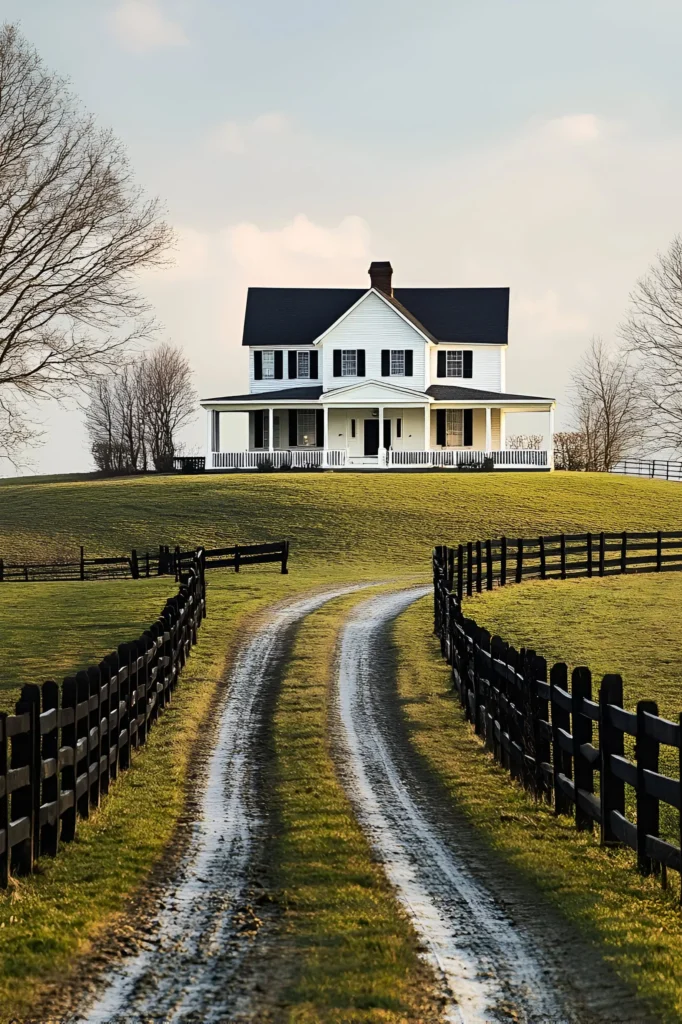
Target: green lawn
(629, 625)
(342, 527)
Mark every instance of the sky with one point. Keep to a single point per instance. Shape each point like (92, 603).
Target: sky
(509, 143)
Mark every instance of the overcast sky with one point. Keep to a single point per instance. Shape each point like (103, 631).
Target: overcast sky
(471, 142)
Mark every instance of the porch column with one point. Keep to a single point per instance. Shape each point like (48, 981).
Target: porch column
(209, 439)
(271, 428)
(488, 429)
(550, 449)
(326, 436)
(427, 428)
(503, 430)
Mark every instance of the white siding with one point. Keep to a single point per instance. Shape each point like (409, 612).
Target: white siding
(373, 326)
(256, 387)
(340, 429)
(488, 367)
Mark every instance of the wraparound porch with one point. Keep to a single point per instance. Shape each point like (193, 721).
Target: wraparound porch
(339, 458)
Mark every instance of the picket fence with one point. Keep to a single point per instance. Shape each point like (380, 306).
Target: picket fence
(65, 745)
(542, 730)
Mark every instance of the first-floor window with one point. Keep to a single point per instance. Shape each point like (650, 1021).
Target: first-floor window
(304, 364)
(397, 362)
(349, 362)
(352, 428)
(454, 428)
(306, 433)
(398, 427)
(454, 365)
(276, 433)
(268, 364)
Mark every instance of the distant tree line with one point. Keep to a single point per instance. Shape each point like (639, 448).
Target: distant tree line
(135, 414)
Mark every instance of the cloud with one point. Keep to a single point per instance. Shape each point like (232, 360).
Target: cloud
(142, 25)
(237, 138)
(574, 128)
(302, 252)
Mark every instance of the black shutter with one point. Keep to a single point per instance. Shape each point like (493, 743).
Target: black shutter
(293, 374)
(409, 362)
(468, 428)
(257, 365)
(337, 362)
(440, 424)
(279, 365)
(468, 362)
(258, 429)
(385, 362)
(319, 428)
(441, 365)
(314, 372)
(293, 428)
(361, 362)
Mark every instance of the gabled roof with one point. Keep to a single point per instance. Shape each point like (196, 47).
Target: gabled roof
(451, 393)
(294, 394)
(297, 316)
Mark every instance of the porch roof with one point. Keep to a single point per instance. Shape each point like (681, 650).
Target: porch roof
(435, 393)
(452, 393)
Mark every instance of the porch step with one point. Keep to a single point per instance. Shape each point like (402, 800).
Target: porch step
(363, 460)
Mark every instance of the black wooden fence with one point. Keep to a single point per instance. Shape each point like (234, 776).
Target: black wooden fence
(658, 469)
(65, 745)
(542, 730)
(484, 564)
(165, 561)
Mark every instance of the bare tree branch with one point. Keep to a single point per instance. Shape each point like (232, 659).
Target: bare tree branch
(74, 230)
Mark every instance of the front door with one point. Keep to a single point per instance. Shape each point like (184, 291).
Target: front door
(371, 437)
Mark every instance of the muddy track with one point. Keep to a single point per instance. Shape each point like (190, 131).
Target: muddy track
(190, 968)
(498, 948)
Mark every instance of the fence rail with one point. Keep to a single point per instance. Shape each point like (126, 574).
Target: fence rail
(65, 745)
(167, 561)
(541, 728)
(657, 469)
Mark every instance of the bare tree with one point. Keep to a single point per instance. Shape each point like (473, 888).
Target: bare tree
(135, 414)
(525, 441)
(74, 229)
(570, 450)
(608, 407)
(171, 402)
(653, 332)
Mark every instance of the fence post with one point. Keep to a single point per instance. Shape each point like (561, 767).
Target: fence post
(460, 572)
(285, 558)
(479, 568)
(602, 546)
(134, 565)
(659, 551)
(561, 720)
(589, 554)
(2, 576)
(146, 564)
(48, 836)
(489, 564)
(24, 799)
(470, 569)
(611, 743)
(503, 561)
(450, 557)
(646, 755)
(543, 563)
(624, 552)
(237, 557)
(562, 546)
(583, 775)
(4, 803)
(519, 559)
(82, 566)
(68, 780)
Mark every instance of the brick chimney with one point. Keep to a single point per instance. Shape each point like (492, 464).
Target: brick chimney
(380, 275)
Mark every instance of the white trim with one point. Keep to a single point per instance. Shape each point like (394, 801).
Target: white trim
(375, 291)
(383, 386)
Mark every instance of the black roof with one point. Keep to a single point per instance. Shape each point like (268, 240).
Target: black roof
(297, 316)
(450, 393)
(295, 394)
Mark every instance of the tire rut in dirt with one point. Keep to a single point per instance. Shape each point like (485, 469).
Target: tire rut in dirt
(493, 963)
(191, 966)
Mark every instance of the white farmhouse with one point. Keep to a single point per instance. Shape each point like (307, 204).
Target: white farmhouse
(374, 378)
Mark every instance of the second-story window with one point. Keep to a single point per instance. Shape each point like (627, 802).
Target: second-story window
(268, 365)
(397, 362)
(304, 364)
(349, 362)
(454, 364)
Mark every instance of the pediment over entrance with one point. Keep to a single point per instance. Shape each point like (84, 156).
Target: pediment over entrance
(375, 392)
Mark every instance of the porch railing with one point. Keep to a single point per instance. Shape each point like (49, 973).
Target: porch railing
(455, 457)
(337, 458)
(294, 459)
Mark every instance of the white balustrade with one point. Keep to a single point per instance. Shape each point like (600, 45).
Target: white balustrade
(296, 459)
(338, 458)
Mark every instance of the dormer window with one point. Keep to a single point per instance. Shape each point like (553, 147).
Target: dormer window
(303, 364)
(268, 365)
